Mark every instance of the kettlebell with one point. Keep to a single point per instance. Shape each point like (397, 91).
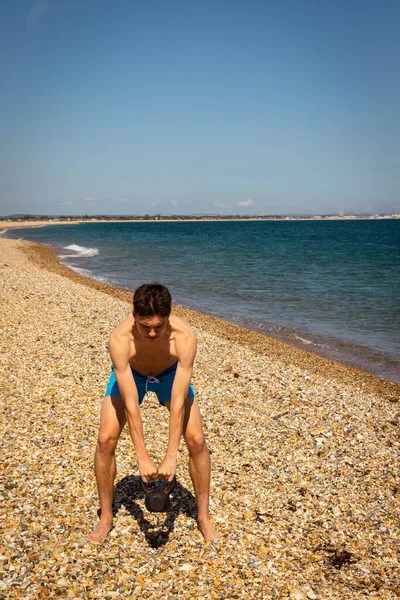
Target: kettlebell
(157, 500)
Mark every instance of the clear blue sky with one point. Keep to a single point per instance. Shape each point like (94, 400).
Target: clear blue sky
(257, 107)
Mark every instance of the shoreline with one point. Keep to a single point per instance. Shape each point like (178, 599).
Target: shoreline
(46, 257)
(256, 340)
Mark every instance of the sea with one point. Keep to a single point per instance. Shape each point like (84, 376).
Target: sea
(330, 286)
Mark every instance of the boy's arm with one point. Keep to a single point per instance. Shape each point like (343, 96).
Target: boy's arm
(186, 351)
(119, 353)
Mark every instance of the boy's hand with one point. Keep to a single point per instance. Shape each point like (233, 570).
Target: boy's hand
(147, 469)
(167, 468)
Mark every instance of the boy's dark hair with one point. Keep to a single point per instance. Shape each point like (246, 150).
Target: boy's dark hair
(152, 299)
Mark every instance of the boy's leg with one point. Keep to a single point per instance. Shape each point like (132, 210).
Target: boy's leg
(199, 465)
(112, 421)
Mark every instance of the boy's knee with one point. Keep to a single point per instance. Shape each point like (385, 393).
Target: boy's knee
(106, 443)
(195, 443)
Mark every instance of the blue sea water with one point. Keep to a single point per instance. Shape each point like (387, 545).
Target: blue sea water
(332, 287)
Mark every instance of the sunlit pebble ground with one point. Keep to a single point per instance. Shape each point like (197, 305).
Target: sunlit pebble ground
(305, 481)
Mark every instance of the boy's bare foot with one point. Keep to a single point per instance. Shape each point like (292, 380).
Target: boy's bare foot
(208, 530)
(101, 531)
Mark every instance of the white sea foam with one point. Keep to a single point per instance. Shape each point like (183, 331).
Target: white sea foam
(81, 251)
(304, 340)
(313, 343)
(84, 272)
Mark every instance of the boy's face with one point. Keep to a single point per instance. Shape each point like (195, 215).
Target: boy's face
(151, 328)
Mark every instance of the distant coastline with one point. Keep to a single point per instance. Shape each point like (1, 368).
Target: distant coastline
(42, 221)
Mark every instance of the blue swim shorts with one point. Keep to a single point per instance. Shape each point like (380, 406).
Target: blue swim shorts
(160, 384)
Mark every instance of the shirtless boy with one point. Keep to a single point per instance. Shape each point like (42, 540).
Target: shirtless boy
(152, 351)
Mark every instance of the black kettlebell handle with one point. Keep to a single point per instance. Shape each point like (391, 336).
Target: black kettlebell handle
(168, 489)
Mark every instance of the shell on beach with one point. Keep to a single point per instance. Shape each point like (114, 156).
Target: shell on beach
(305, 483)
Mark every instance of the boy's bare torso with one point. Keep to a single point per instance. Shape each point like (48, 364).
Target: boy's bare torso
(151, 357)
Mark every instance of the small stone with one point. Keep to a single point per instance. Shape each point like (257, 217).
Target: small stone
(297, 594)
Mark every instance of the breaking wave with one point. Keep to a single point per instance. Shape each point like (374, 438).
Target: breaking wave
(81, 251)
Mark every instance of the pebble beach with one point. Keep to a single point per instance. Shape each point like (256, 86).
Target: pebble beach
(305, 452)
